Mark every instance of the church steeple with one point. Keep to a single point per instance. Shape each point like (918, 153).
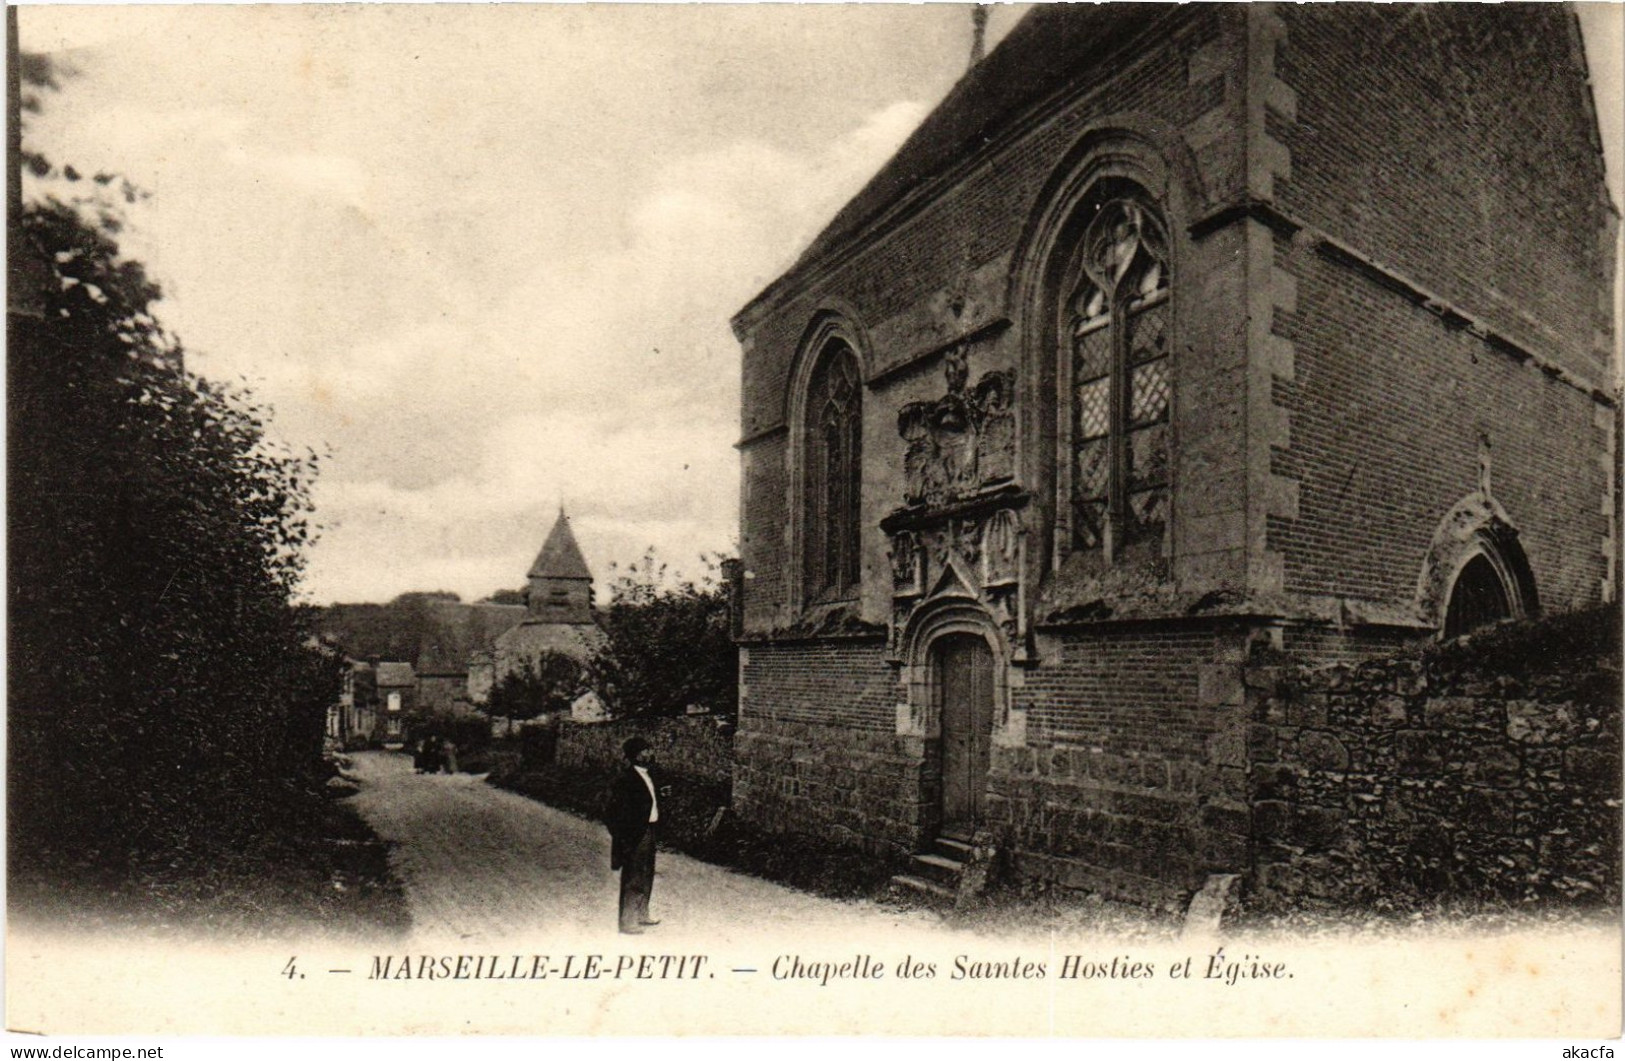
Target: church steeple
(560, 581)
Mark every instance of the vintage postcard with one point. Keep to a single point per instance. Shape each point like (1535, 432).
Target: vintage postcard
(1053, 521)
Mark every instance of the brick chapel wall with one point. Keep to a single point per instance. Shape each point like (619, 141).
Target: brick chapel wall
(817, 752)
(1489, 767)
(1324, 645)
(1389, 407)
(1457, 145)
(944, 273)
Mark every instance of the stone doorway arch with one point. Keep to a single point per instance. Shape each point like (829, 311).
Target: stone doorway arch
(956, 671)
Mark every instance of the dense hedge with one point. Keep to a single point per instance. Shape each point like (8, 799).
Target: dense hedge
(164, 699)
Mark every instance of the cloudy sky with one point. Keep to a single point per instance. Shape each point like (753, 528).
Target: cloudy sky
(485, 256)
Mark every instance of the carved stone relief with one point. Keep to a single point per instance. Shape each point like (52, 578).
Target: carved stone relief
(1001, 549)
(906, 564)
(977, 556)
(961, 441)
(959, 535)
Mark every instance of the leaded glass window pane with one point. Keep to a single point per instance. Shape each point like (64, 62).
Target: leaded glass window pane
(1089, 522)
(830, 529)
(1148, 515)
(1115, 325)
(1094, 465)
(835, 499)
(851, 566)
(1148, 457)
(1150, 394)
(1094, 409)
(1092, 351)
(1148, 337)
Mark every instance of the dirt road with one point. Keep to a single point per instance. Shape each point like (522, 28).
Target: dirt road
(497, 881)
(485, 866)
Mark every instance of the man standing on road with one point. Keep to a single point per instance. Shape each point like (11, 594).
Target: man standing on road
(634, 809)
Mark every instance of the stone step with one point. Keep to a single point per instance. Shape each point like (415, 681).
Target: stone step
(940, 868)
(958, 850)
(924, 887)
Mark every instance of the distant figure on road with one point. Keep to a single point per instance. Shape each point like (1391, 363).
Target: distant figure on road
(425, 755)
(448, 757)
(633, 811)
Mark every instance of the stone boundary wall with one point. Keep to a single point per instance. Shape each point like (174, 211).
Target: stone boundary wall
(698, 746)
(1489, 768)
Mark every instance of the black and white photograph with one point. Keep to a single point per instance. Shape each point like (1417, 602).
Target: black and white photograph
(1082, 521)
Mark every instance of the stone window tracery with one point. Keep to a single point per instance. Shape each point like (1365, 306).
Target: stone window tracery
(833, 469)
(1115, 332)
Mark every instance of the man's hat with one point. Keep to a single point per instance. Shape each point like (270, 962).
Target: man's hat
(634, 745)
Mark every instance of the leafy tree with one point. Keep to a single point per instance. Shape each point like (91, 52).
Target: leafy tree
(666, 644)
(550, 682)
(394, 631)
(160, 683)
(414, 597)
(508, 596)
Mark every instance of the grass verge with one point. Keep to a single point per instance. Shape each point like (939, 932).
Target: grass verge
(316, 869)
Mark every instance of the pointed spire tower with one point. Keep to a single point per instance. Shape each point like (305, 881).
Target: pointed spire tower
(560, 582)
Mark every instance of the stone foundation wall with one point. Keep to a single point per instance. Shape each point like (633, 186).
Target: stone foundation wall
(1132, 779)
(864, 789)
(1140, 830)
(1489, 768)
(817, 751)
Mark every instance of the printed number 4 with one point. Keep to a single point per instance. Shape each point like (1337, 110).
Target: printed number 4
(290, 972)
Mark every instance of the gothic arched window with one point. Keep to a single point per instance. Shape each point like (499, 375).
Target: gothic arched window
(832, 448)
(1114, 329)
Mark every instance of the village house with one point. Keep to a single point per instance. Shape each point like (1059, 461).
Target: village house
(353, 720)
(457, 640)
(397, 686)
(442, 641)
(435, 657)
(1174, 337)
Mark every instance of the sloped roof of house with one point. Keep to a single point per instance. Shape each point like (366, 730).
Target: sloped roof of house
(532, 638)
(560, 556)
(460, 630)
(392, 673)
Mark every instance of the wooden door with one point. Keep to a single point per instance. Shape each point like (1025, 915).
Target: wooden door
(964, 667)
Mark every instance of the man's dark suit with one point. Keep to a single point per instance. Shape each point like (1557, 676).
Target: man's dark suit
(632, 846)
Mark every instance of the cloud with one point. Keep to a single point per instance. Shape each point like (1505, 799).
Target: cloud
(627, 486)
(486, 300)
(609, 383)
